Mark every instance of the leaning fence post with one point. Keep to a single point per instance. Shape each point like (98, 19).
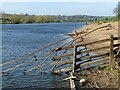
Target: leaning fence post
(111, 48)
(74, 58)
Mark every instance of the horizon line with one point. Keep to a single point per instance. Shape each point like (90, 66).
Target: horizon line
(57, 14)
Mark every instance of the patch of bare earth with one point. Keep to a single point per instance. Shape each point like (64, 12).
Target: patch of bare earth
(107, 77)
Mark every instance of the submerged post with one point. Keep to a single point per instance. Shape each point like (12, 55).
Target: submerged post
(111, 48)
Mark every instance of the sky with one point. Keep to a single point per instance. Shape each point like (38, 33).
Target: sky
(61, 8)
(59, 1)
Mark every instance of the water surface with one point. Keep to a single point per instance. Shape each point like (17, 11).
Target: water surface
(21, 39)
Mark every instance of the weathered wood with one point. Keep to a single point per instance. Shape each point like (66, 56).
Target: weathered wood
(18, 66)
(9, 62)
(97, 29)
(63, 70)
(80, 44)
(118, 33)
(94, 42)
(116, 45)
(64, 55)
(70, 34)
(73, 34)
(101, 65)
(92, 50)
(18, 59)
(72, 82)
(26, 63)
(63, 48)
(60, 58)
(95, 56)
(31, 69)
(47, 57)
(62, 62)
(111, 48)
(68, 62)
(116, 38)
(74, 58)
(80, 52)
(93, 62)
(79, 59)
(78, 66)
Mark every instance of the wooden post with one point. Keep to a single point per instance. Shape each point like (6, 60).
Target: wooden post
(74, 58)
(118, 9)
(72, 82)
(111, 48)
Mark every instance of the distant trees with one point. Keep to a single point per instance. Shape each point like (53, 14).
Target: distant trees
(26, 18)
(29, 19)
(15, 18)
(39, 19)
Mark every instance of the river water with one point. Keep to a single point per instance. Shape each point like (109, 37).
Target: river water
(21, 39)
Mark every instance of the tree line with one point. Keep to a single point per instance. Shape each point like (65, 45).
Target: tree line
(26, 18)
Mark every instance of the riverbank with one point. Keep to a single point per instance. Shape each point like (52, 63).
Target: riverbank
(107, 77)
(98, 31)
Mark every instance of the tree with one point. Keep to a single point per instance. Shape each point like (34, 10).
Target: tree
(15, 19)
(29, 19)
(39, 19)
(116, 11)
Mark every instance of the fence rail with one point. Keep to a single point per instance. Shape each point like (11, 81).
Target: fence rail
(76, 59)
(106, 57)
(56, 60)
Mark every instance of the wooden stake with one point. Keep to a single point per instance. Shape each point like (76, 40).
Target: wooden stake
(74, 58)
(111, 48)
(72, 82)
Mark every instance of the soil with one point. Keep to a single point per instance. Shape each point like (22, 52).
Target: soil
(106, 77)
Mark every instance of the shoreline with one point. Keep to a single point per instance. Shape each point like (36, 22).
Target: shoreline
(108, 76)
(98, 33)
(42, 23)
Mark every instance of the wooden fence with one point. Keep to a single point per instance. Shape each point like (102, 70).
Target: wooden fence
(77, 61)
(105, 58)
(80, 57)
(71, 56)
(88, 61)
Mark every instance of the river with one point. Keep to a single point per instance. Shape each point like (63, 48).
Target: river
(21, 39)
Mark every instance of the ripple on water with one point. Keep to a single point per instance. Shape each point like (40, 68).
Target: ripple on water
(21, 39)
